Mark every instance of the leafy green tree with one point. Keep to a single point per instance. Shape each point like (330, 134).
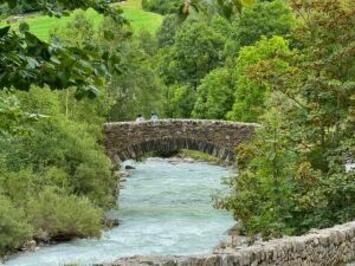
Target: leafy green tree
(263, 19)
(249, 96)
(262, 191)
(78, 31)
(226, 8)
(197, 50)
(220, 25)
(198, 47)
(21, 8)
(137, 92)
(179, 101)
(215, 95)
(133, 86)
(147, 42)
(292, 175)
(26, 60)
(137, 89)
(167, 30)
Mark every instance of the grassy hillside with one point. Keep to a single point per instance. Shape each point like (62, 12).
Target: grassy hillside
(41, 25)
(139, 18)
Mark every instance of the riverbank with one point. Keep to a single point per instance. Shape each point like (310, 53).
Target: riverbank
(110, 221)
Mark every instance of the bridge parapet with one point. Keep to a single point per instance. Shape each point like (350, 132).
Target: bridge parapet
(130, 140)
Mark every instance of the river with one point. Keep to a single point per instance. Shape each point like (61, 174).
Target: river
(164, 209)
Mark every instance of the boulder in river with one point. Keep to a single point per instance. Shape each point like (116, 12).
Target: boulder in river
(111, 221)
(43, 237)
(125, 174)
(30, 245)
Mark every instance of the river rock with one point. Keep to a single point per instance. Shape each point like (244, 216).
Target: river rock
(30, 245)
(174, 160)
(129, 167)
(110, 220)
(189, 160)
(125, 174)
(43, 236)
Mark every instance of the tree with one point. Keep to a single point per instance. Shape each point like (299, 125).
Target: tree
(262, 193)
(166, 32)
(26, 60)
(180, 101)
(249, 96)
(215, 94)
(226, 8)
(133, 87)
(79, 31)
(293, 175)
(197, 50)
(263, 19)
(136, 89)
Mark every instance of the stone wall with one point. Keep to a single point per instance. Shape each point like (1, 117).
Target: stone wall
(129, 140)
(332, 246)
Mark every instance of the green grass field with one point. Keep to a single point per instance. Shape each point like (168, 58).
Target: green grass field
(139, 19)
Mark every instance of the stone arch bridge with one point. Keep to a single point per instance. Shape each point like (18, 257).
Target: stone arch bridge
(130, 140)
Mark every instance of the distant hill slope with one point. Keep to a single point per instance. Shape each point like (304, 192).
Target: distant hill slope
(41, 25)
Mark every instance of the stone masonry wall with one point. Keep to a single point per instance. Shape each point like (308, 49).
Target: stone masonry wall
(129, 140)
(332, 246)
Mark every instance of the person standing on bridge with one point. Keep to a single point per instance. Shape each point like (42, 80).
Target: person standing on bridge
(140, 118)
(154, 117)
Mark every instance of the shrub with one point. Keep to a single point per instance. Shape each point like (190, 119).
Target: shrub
(14, 229)
(69, 145)
(61, 150)
(63, 217)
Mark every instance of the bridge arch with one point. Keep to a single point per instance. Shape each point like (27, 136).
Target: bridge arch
(130, 140)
